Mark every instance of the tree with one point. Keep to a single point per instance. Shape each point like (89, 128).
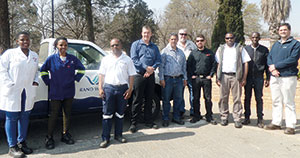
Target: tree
(252, 16)
(197, 16)
(275, 12)
(4, 25)
(23, 17)
(230, 19)
(127, 24)
(84, 8)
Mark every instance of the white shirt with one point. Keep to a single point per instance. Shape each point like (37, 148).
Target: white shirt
(229, 58)
(187, 48)
(117, 70)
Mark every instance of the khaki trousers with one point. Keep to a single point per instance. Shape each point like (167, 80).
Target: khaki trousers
(283, 91)
(230, 83)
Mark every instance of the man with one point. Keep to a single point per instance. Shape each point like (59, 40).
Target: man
(255, 78)
(146, 58)
(232, 71)
(115, 73)
(172, 75)
(201, 67)
(186, 46)
(283, 60)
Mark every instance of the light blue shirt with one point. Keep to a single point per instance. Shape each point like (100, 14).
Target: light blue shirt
(173, 63)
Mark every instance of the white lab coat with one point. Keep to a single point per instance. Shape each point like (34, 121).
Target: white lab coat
(17, 72)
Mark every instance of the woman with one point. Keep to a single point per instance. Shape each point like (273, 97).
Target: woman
(19, 79)
(61, 67)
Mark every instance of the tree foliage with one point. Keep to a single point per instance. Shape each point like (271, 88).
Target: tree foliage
(252, 17)
(4, 25)
(230, 19)
(197, 16)
(128, 22)
(275, 12)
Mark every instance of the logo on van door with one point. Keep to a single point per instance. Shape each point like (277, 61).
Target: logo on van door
(93, 81)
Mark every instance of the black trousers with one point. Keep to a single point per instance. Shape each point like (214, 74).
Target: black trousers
(205, 84)
(57, 105)
(256, 84)
(143, 92)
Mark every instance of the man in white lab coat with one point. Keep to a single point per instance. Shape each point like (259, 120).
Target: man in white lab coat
(19, 79)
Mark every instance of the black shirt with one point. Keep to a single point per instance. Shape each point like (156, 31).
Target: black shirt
(201, 62)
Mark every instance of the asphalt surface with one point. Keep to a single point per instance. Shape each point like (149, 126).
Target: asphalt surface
(190, 140)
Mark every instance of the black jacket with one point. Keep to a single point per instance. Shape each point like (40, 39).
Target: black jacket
(258, 64)
(201, 63)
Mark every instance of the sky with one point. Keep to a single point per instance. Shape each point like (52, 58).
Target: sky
(159, 5)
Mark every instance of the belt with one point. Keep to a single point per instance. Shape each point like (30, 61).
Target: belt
(229, 73)
(180, 76)
(117, 85)
(201, 76)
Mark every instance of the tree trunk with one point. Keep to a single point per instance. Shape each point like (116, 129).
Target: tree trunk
(4, 25)
(89, 19)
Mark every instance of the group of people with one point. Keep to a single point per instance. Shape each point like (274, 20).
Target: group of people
(19, 80)
(181, 63)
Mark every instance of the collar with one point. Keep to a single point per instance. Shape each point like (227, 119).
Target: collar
(170, 48)
(254, 47)
(142, 42)
(288, 40)
(234, 45)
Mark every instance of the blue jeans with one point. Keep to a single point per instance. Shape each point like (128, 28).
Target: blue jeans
(16, 120)
(191, 98)
(174, 87)
(256, 84)
(113, 104)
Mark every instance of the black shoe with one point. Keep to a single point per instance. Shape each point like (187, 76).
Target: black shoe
(132, 128)
(194, 120)
(67, 138)
(49, 142)
(151, 125)
(246, 121)
(24, 148)
(15, 152)
(180, 122)
(260, 123)
(224, 122)
(165, 123)
(211, 121)
(120, 139)
(237, 124)
(104, 144)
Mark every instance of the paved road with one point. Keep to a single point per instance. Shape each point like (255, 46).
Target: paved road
(191, 140)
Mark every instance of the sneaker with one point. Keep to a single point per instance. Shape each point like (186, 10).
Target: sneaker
(49, 142)
(289, 131)
(246, 121)
(260, 123)
(24, 148)
(67, 138)
(272, 127)
(104, 144)
(238, 124)
(224, 122)
(151, 125)
(15, 152)
(165, 123)
(132, 128)
(211, 121)
(120, 139)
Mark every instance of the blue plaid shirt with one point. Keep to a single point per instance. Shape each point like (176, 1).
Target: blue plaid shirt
(173, 63)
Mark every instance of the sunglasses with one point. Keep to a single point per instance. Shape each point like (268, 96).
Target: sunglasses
(183, 34)
(199, 40)
(113, 45)
(229, 38)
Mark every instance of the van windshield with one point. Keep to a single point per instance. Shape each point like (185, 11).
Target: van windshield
(88, 55)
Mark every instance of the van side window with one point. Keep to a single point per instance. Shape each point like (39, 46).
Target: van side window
(89, 56)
